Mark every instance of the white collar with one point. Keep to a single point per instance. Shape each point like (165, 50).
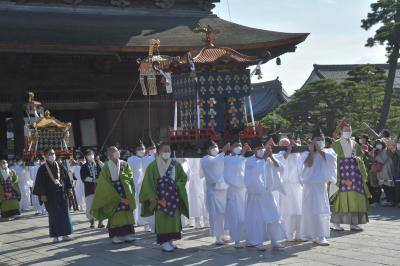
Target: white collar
(114, 169)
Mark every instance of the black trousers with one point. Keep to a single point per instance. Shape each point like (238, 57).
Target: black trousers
(375, 192)
(390, 193)
(397, 192)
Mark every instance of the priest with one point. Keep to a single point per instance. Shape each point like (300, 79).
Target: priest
(318, 168)
(9, 192)
(212, 166)
(262, 217)
(350, 202)
(54, 189)
(163, 194)
(114, 198)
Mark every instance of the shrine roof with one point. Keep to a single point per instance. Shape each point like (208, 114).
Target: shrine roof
(86, 29)
(213, 54)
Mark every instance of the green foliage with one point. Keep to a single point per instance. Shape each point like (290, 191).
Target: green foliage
(325, 102)
(385, 14)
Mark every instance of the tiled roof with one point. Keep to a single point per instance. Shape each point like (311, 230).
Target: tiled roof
(339, 73)
(213, 54)
(266, 97)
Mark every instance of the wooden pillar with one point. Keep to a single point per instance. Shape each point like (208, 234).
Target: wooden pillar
(3, 136)
(18, 121)
(102, 125)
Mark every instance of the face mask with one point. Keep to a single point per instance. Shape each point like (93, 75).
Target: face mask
(237, 150)
(398, 146)
(140, 153)
(90, 158)
(346, 134)
(321, 144)
(4, 166)
(166, 155)
(152, 152)
(260, 153)
(116, 155)
(214, 151)
(52, 158)
(379, 146)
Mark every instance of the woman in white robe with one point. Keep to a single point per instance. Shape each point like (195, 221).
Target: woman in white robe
(24, 184)
(262, 217)
(79, 187)
(318, 169)
(216, 189)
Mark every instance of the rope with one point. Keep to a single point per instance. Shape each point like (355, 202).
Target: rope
(119, 115)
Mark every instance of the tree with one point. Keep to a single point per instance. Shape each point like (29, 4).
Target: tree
(385, 13)
(322, 103)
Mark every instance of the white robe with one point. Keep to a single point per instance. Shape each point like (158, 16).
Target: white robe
(261, 178)
(146, 160)
(24, 183)
(235, 197)
(216, 189)
(136, 164)
(35, 199)
(290, 204)
(316, 209)
(196, 193)
(79, 187)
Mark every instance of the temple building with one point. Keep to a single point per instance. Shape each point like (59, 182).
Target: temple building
(79, 58)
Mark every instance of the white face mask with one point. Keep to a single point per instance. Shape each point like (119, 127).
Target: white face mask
(346, 134)
(398, 146)
(166, 155)
(379, 146)
(116, 155)
(214, 151)
(90, 158)
(152, 152)
(321, 144)
(140, 153)
(260, 153)
(52, 158)
(237, 150)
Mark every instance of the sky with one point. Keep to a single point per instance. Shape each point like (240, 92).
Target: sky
(335, 33)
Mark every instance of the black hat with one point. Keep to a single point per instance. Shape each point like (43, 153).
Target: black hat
(139, 143)
(329, 140)
(274, 138)
(236, 139)
(150, 143)
(256, 143)
(210, 143)
(318, 133)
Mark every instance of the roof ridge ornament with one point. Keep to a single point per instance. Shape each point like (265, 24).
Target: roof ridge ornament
(207, 30)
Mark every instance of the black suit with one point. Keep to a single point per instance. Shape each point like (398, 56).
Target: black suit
(85, 172)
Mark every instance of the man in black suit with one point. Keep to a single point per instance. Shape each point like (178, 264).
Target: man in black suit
(89, 173)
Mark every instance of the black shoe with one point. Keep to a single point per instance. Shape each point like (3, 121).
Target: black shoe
(100, 225)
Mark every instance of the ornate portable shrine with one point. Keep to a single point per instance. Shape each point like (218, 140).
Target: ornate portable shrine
(210, 97)
(44, 131)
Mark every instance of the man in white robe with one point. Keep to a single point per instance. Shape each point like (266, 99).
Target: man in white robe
(150, 156)
(39, 209)
(290, 203)
(216, 189)
(136, 163)
(78, 184)
(234, 165)
(196, 194)
(262, 217)
(319, 168)
(24, 183)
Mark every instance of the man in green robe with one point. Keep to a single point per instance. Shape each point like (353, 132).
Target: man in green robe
(114, 198)
(9, 192)
(350, 202)
(164, 195)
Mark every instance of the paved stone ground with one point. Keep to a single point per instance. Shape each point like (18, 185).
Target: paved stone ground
(25, 242)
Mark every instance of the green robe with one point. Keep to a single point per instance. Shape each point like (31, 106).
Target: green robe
(9, 205)
(164, 224)
(106, 198)
(351, 201)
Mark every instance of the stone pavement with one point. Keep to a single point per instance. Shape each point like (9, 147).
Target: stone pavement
(25, 242)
